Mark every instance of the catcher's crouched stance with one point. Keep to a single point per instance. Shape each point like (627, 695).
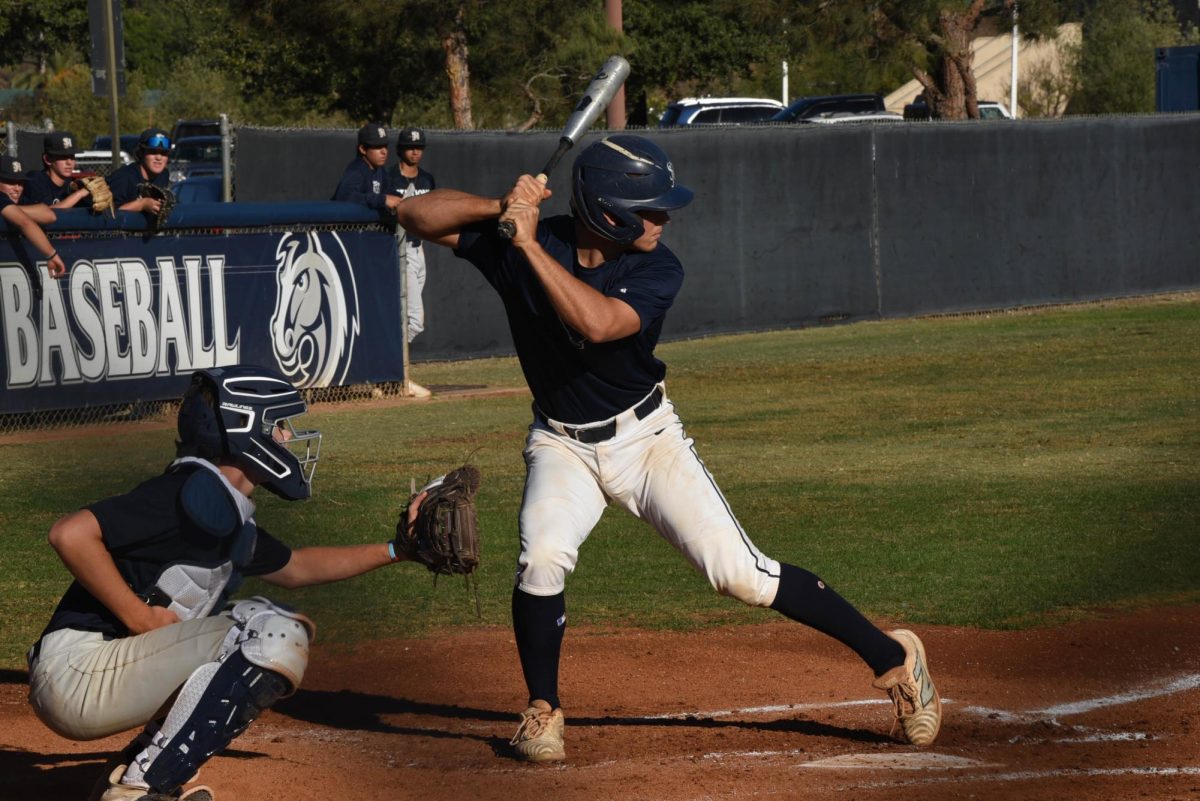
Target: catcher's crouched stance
(145, 635)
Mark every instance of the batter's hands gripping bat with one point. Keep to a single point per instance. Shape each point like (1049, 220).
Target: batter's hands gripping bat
(600, 91)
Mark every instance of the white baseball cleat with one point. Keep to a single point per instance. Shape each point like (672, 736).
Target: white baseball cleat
(917, 704)
(539, 738)
(127, 792)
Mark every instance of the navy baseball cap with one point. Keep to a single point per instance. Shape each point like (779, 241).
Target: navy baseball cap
(410, 137)
(59, 143)
(373, 135)
(11, 170)
(154, 140)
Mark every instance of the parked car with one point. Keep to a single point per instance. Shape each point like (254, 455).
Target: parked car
(188, 128)
(128, 143)
(807, 108)
(991, 110)
(99, 161)
(195, 156)
(839, 117)
(718, 111)
(988, 110)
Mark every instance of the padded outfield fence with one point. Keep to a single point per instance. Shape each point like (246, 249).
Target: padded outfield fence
(797, 225)
(792, 226)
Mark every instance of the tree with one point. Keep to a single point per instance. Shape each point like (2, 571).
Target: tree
(932, 38)
(1113, 66)
(31, 30)
(698, 48)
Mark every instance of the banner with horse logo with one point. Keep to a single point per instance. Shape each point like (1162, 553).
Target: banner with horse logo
(135, 315)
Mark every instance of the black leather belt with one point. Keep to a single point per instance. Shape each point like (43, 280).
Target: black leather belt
(592, 435)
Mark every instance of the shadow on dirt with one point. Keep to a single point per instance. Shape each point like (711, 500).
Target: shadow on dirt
(356, 711)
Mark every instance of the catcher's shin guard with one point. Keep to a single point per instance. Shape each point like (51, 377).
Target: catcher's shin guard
(216, 704)
(263, 659)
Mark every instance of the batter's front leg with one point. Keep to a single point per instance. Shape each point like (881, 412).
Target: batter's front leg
(561, 505)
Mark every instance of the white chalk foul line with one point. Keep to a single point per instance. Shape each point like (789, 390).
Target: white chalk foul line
(1032, 775)
(1179, 685)
(1158, 689)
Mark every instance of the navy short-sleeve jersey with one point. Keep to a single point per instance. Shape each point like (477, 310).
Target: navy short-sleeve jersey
(572, 380)
(40, 188)
(363, 184)
(145, 530)
(124, 183)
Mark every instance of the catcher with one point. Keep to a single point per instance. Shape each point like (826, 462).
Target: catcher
(146, 636)
(153, 153)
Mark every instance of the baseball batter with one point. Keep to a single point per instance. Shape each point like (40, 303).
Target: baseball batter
(144, 637)
(586, 296)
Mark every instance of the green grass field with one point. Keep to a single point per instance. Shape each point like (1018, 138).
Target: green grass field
(991, 470)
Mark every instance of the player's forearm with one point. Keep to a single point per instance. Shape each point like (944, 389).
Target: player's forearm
(77, 540)
(597, 317)
(31, 230)
(322, 564)
(72, 200)
(40, 213)
(443, 212)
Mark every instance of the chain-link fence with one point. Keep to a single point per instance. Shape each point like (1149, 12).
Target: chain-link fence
(165, 410)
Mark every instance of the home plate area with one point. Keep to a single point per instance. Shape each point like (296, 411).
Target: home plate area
(1100, 709)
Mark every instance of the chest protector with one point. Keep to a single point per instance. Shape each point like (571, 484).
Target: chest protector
(214, 506)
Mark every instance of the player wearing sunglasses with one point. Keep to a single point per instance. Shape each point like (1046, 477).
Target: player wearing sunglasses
(153, 153)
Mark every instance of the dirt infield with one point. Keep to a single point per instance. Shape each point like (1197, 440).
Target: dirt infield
(1103, 709)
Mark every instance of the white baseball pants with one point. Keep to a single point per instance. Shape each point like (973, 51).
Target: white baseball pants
(651, 468)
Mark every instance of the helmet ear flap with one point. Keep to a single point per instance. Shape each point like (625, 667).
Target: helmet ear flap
(199, 424)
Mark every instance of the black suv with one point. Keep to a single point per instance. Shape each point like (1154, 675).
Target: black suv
(195, 128)
(807, 108)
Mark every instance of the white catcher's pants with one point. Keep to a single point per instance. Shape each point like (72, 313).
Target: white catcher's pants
(85, 687)
(651, 468)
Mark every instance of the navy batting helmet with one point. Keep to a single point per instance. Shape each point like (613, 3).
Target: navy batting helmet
(233, 413)
(617, 177)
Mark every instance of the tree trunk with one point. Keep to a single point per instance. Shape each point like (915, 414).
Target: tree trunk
(957, 100)
(454, 44)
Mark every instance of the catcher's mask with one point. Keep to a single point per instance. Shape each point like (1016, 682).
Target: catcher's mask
(618, 177)
(244, 414)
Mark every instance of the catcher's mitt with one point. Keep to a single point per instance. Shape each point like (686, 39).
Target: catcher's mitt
(165, 198)
(445, 535)
(102, 198)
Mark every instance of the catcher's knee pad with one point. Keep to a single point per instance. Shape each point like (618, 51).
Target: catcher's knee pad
(215, 705)
(271, 636)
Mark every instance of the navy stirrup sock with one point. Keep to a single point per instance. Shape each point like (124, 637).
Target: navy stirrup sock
(806, 599)
(539, 623)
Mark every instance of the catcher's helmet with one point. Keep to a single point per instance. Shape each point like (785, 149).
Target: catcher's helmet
(619, 176)
(233, 413)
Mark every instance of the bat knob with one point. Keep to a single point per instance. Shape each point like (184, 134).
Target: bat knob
(507, 229)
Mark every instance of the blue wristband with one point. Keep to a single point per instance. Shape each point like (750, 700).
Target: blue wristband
(392, 550)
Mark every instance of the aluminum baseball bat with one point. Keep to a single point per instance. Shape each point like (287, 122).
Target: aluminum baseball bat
(596, 98)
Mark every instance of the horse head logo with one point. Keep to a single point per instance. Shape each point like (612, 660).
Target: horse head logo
(316, 318)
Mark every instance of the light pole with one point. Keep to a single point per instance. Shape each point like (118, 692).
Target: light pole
(1016, 40)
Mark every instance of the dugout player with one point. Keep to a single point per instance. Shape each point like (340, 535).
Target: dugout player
(52, 185)
(27, 219)
(150, 167)
(143, 636)
(408, 179)
(364, 181)
(586, 296)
